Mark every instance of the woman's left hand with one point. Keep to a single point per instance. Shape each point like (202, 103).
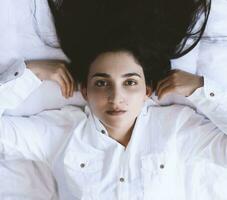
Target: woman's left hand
(180, 82)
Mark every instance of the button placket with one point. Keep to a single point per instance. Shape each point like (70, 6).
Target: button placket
(123, 177)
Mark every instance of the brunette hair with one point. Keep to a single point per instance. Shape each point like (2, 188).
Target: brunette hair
(154, 31)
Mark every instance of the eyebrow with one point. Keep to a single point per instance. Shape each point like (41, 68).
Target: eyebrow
(108, 76)
(131, 74)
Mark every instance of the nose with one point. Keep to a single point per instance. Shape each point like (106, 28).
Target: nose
(116, 95)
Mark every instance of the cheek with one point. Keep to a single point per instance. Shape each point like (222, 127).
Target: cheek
(96, 94)
(96, 99)
(136, 94)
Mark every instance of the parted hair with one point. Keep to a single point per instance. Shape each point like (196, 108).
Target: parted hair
(153, 31)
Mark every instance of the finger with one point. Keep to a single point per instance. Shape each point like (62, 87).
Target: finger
(166, 90)
(67, 80)
(162, 87)
(70, 78)
(72, 82)
(62, 84)
(62, 71)
(161, 82)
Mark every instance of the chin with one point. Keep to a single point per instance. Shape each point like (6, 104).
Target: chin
(115, 119)
(114, 124)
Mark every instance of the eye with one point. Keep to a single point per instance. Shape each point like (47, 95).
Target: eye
(101, 83)
(130, 82)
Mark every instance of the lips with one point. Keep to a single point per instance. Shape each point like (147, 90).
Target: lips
(115, 112)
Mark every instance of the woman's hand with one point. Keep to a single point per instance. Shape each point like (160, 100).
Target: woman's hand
(180, 82)
(54, 70)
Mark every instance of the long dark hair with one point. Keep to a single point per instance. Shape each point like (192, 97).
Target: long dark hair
(177, 18)
(154, 31)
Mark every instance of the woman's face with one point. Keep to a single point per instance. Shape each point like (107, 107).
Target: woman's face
(116, 89)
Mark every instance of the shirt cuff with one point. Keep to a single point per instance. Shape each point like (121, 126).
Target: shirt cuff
(15, 69)
(210, 92)
(13, 92)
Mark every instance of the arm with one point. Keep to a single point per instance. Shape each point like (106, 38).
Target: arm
(205, 95)
(16, 84)
(210, 100)
(39, 137)
(36, 137)
(56, 71)
(52, 73)
(198, 137)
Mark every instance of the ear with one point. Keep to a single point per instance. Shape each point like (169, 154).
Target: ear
(84, 91)
(149, 91)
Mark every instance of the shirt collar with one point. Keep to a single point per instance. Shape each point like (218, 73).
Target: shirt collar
(100, 127)
(148, 103)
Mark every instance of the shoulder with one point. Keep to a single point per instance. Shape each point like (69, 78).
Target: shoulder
(173, 115)
(66, 116)
(174, 110)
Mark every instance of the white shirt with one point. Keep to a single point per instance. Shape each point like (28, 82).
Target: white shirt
(168, 145)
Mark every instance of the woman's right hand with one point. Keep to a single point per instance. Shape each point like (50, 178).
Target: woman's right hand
(54, 70)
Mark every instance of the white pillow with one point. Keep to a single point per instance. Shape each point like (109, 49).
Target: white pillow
(217, 23)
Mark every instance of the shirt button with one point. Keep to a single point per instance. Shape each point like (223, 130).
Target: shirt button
(16, 73)
(82, 165)
(162, 166)
(103, 131)
(212, 94)
(122, 180)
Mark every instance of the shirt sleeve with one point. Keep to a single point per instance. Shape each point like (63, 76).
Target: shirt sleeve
(16, 84)
(37, 137)
(199, 138)
(211, 101)
(14, 69)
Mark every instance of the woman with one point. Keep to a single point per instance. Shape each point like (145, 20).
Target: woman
(120, 146)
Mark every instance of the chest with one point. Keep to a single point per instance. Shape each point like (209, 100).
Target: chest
(118, 174)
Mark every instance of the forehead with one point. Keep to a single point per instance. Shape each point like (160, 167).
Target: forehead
(115, 63)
